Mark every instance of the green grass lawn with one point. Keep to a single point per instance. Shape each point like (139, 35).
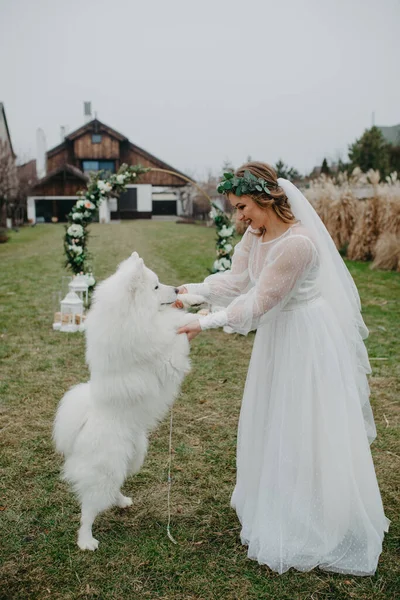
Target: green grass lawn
(39, 516)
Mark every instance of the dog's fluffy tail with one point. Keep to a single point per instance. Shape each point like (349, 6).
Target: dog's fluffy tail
(72, 414)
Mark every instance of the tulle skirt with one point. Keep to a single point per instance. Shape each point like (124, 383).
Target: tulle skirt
(306, 492)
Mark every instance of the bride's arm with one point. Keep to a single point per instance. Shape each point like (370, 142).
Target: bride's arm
(276, 284)
(221, 288)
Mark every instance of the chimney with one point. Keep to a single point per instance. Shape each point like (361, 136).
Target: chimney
(87, 111)
(41, 155)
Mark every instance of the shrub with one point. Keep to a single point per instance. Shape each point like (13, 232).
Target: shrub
(3, 235)
(387, 252)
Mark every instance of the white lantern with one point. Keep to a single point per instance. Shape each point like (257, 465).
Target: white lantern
(72, 313)
(80, 286)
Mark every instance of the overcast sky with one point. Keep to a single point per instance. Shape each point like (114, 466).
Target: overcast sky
(198, 82)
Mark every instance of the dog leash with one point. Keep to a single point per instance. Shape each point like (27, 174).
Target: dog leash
(169, 534)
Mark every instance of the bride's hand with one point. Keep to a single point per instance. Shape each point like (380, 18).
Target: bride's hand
(192, 329)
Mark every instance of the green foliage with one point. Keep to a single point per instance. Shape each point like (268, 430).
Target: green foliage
(325, 167)
(343, 167)
(248, 184)
(371, 151)
(286, 172)
(394, 158)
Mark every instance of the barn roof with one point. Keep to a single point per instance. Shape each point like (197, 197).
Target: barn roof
(96, 126)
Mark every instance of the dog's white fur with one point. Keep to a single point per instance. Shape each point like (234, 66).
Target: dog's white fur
(137, 362)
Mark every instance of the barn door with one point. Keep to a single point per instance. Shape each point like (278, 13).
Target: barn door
(127, 204)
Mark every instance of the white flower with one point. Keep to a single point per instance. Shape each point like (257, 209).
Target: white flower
(77, 216)
(76, 249)
(75, 231)
(133, 174)
(104, 186)
(225, 263)
(120, 178)
(227, 247)
(222, 264)
(225, 231)
(213, 213)
(90, 280)
(80, 203)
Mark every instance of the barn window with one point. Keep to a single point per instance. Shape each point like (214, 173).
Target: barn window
(96, 138)
(98, 165)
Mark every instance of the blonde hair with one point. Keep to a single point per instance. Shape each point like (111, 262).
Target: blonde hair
(276, 199)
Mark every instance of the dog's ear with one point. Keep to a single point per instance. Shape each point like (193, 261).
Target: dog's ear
(135, 255)
(138, 270)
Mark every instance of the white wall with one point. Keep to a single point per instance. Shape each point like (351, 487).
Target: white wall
(104, 212)
(144, 202)
(31, 209)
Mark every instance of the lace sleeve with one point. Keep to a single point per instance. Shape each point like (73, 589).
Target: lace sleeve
(221, 288)
(292, 260)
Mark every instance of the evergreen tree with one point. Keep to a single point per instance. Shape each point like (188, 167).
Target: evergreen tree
(228, 167)
(371, 151)
(325, 168)
(286, 172)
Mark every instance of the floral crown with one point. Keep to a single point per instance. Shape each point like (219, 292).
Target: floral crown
(248, 184)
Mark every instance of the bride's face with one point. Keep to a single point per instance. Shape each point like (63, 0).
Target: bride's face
(248, 211)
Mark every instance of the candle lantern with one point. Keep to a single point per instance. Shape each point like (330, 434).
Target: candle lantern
(72, 313)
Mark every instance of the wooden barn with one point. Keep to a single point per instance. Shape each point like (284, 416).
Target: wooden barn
(94, 147)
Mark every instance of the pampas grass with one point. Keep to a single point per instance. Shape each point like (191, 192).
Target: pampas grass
(358, 224)
(341, 219)
(387, 252)
(366, 232)
(337, 208)
(391, 218)
(321, 194)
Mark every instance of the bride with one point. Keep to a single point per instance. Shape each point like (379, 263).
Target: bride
(306, 492)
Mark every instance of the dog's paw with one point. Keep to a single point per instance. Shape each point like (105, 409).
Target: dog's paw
(124, 501)
(190, 300)
(88, 543)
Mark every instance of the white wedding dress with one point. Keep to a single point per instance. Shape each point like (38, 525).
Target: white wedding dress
(306, 492)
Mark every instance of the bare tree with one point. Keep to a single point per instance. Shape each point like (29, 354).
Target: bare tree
(8, 180)
(201, 207)
(195, 204)
(186, 197)
(26, 179)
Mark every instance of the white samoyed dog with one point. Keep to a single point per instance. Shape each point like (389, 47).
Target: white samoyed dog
(137, 362)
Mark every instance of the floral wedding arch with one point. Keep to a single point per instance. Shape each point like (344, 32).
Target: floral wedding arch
(99, 188)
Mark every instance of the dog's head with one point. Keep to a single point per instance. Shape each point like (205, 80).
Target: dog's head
(142, 284)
